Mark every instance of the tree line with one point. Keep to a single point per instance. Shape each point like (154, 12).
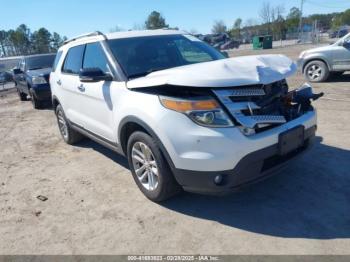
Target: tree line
(23, 41)
(155, 20)
(274, 21)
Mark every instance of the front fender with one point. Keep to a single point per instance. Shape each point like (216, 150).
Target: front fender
(315, 56)
(138, 121)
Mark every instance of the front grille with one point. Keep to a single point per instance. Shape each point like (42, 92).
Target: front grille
(243, 92)
(269, 119)
(254, 106)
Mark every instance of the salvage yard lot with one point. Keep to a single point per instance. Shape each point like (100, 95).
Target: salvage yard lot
(94, 206)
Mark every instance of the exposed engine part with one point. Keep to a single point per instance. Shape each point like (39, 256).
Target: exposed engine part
(299, 101)
(304, 94)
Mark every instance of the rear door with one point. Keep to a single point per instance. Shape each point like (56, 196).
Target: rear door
(96, 101)
(69, 83)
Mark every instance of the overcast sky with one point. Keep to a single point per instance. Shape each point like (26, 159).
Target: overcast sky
(74, 17)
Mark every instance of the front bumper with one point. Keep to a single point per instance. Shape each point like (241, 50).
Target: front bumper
(42, 92)
(252, 168)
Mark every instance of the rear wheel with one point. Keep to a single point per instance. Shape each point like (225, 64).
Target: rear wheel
(149, 168)
(69, 135)
(316, 71)
(22, 96)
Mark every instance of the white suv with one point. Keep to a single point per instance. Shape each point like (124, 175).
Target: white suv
(185, 116)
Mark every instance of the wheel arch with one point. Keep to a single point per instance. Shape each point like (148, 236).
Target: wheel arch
(130, 124)
(55, 102)
(317, 58)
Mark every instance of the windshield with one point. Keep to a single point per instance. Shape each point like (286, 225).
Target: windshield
(38, 62)
(139, 56)
(343, 39)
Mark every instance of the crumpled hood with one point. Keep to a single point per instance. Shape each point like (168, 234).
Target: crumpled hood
(238, 71)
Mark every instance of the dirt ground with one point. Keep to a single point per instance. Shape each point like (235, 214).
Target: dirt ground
(94, 206)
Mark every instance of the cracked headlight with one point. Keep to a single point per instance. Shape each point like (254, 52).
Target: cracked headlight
(37, 80)
(203, 111)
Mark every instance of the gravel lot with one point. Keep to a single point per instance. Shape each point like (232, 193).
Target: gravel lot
(94, 206)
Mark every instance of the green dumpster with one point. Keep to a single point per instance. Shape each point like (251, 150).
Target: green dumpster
(262, 42)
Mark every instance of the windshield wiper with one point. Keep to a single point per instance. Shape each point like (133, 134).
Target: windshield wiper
(147, 72)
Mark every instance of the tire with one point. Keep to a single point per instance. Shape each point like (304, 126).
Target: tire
(163, 185)
(316, 71)
(69, 135)
(35, 102)
(22, 96)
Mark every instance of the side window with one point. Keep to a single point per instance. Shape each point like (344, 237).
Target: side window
(57, 59)
(95, 57)
(73, 61)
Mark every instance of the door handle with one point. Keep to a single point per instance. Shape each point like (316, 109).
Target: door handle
(59, 82)
(81, 88)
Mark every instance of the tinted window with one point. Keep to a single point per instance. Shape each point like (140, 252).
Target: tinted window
(57, 59)
(95, 57)
(140, 56)
(73, 62)
(38, 62)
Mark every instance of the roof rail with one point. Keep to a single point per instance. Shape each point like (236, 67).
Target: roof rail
(84, 35)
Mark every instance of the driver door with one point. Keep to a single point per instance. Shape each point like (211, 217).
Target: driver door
(341, 56)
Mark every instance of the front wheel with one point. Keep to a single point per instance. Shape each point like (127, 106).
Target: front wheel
(22, 96)
(149, 168)
(35, 102)
(316, 71)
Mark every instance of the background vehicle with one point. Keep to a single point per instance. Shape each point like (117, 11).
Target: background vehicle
(5, 77)
(230, 45)
(184, 116)
(319, 63)
(32, 78)
(220, 41)
(343, 32)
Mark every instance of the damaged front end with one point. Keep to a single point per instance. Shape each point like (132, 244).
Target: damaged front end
(252, 91)
(260, 107)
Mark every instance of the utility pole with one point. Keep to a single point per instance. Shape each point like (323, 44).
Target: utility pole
(301, 19)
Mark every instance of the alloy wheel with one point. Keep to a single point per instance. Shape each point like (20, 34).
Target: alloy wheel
(145, 166)
(314, 72)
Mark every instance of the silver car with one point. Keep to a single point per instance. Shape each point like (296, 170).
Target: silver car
(318, 64)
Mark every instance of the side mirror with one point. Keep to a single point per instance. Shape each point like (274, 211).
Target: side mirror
(225, 54)
(94, 75)
(17, 71)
